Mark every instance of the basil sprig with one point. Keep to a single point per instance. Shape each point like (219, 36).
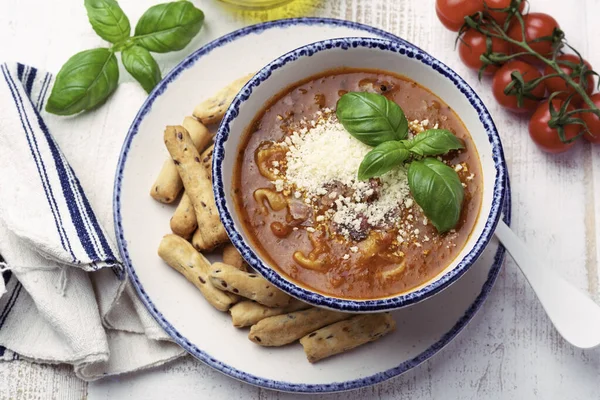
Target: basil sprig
(108, 20)
(377, 121)
(382, 159)
(142, 66)
(168, 27)
(371, 118)
(433, 142)
(438, 190)
(88, 78)
(78, 88)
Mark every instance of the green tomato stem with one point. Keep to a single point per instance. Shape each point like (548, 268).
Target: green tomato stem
(553, 64)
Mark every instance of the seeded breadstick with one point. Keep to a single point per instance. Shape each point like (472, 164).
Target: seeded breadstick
(233, 257)
(246, 313)
(250, 286)
(206, 158)
(168, 184)
(346, 335)
(183, 221)
(197, 186)
(287, 328)
(182, 257)
(213, 109)
(198, 240)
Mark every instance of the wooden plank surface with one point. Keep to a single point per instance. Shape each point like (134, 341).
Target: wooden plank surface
(510, 349)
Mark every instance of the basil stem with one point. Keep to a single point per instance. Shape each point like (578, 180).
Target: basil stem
(86, 80)
(438, 190)
(168, 27)
(382, 159)
(433, 142)
(142, 66)
(371, 118)
(108, 20)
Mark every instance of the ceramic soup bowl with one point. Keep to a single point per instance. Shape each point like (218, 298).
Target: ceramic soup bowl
(363, 53)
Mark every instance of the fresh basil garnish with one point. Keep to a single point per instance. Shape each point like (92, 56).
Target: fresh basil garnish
(438, 190)
(88, 78)
(85, 81)
(382, 159)
(142, 66)
(377, 121)
(371, 118)
(433, 142)
(168, 27)
(108, 20)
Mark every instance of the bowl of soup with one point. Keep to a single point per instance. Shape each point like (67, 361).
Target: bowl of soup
(359, 174)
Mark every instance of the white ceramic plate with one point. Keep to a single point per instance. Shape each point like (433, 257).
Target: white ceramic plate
(423, 328)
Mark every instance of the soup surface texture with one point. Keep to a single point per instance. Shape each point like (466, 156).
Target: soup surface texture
(307, 214)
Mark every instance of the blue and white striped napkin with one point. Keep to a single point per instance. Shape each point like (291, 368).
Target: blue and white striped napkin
(42, 200)
(64, 297)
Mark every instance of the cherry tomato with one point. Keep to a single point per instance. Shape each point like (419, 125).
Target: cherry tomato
(473, 45)
(557, 84)
(537, 25)
(499, 16)
(503, 77)
(547, 138)
(592, 121)
(452, 13)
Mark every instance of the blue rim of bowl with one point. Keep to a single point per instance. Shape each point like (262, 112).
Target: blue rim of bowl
(321, 300)
(204, 356)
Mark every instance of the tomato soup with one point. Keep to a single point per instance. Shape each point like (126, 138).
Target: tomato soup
(308, 215)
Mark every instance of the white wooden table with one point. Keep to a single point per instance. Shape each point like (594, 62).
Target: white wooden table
(510, 350)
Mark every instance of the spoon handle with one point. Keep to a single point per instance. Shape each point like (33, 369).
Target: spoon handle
(575, 316)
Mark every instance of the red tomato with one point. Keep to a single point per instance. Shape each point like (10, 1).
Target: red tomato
(503, 77)
(558, 84)
(547, 138)
(537, 25)
(452, 13)
(500, 16)
(473, 45)
(592, 121)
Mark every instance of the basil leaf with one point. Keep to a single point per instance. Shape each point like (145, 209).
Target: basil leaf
(142, 66)
(438, 190)
(169, 26)
(85, 81)
(433, 142)
(371, 118)
(108, 20)
(382, 159)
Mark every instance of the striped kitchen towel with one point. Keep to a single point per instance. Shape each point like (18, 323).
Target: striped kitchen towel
(42, 200)
(64, 296)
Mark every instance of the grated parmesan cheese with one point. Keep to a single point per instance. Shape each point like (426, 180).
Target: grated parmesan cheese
(326, 153)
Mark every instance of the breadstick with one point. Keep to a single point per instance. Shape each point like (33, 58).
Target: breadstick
(182, 257)
(197, 241)
(206, 158)
(287, 328)
(213, 109)
(246, 313)
(197, 186)
(346, 335)
(183, 221)
(250, 286)
(168, 183)
(233, 257)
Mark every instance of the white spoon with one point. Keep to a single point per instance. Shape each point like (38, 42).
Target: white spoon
(575, 316)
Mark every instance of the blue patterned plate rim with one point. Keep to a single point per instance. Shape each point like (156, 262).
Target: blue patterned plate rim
(318, 299)
(204, 356)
